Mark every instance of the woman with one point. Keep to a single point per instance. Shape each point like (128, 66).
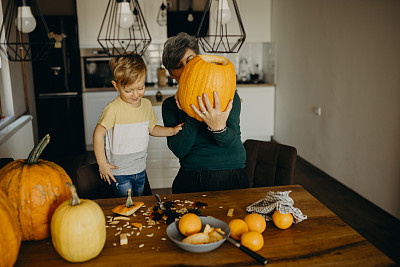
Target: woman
(211, 153)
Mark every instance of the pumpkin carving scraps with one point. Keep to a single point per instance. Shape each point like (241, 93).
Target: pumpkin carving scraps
(169, 214)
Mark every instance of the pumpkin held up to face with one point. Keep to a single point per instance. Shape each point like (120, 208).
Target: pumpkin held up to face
(35, 187)
(205, 74)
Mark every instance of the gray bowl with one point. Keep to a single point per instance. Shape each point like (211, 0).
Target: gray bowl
(174, 234)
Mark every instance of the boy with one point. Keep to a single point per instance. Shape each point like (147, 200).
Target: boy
(121, 136)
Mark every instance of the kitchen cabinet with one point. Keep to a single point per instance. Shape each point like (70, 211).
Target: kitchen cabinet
(258, 112)
(91, 14)
(256, 19)
(93, 105)
(162, 164)
(90, 17)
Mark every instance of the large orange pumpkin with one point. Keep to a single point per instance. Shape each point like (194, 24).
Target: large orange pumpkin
(10, 235)
(205, 74)
(35, 188)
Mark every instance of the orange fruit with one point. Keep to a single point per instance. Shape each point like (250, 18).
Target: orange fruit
(252, 240)
(238, 227)
(255, 222)
(189, 224)
(282, 221)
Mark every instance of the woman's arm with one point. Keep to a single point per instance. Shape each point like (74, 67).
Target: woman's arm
(181, 143)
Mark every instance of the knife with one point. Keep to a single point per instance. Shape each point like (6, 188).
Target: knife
(248, 251)
(159, 201)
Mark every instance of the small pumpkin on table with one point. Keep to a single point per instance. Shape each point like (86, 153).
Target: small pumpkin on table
(129, 207)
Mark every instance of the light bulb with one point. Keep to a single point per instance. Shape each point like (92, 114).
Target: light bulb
(125, 15)
(25, 20)
(190, 17)
(162, 15)
(223, 14)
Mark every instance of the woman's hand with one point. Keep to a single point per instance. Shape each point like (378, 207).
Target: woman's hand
(105, 172)
(213, 117)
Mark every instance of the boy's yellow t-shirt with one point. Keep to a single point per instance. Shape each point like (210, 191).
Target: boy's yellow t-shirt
(127, 135)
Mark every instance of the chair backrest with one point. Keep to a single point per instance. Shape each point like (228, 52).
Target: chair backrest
(5, 161)
(89, 185)
(269, 163)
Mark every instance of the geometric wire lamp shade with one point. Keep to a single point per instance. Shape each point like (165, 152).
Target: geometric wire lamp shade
(225, 32)
(22, 17)
(123, 29)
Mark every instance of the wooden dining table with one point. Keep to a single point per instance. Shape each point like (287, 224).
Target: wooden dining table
(322, 239)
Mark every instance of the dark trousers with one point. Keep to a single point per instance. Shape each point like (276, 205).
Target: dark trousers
(199, 181)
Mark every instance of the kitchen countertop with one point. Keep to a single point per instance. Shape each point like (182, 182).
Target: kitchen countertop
(156, 87)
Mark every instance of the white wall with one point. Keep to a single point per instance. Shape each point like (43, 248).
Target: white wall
(343, 56)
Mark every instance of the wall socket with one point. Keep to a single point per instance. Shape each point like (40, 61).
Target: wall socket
(318, 111)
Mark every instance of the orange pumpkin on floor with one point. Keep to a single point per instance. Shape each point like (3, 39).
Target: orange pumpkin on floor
(35, 188)
(10, 234)
(205, 74)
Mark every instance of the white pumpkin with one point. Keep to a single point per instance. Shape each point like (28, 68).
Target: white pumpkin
(78, 229)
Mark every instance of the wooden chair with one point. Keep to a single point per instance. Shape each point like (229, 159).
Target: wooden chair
(89, 185)
(269, 163)
(5, 161)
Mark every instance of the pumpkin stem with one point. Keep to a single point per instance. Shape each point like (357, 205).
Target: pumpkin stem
(129, 202)
(38, 149)
(74, 198)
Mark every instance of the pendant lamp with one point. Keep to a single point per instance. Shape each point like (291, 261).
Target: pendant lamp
(24, 30)
(162, 15)
(123, 28)
(226, 33)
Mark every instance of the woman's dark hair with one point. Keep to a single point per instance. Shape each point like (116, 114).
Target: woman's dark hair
(175, 48)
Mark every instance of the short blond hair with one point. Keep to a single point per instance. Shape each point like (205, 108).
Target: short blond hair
(127, 69)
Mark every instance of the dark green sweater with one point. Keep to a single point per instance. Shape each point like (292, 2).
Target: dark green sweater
(199, 149)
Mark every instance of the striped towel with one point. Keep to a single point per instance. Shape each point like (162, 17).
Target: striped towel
(279, 201)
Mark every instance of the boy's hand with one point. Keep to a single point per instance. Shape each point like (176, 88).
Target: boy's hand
(177, 128)
(105, 172)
